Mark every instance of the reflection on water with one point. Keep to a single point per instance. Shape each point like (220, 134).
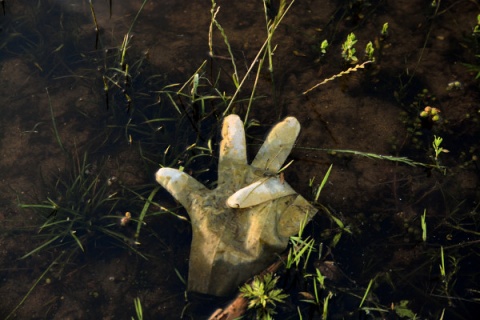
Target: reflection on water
(102, 114)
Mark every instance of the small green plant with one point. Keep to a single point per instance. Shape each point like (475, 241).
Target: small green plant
(424, 225)
(81, 210)
(369, 50)
(384, 31)
(476, 29)
(443, 272)
(325, 305)
(437, 141)
(403, 311)
(300, 248)
(138, 309)
(348, 50)
(318, 280)
(324, 46)
(263, 296)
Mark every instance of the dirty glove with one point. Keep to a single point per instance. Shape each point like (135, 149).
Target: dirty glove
(241, 226)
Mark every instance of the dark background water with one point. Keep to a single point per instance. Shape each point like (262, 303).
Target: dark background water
(54, 70)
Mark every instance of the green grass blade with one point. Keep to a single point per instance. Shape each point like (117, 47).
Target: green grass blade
(365, 295)
(39, 248)
(55, 130)
(144, 211)
(324, 181)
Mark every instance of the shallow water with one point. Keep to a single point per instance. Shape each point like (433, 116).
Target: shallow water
(66, 96)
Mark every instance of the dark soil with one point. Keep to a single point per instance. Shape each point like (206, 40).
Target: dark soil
(51, 62)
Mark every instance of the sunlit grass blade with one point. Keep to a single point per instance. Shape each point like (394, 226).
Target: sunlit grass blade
(79, 243)
(324, 181)
(141, 218)
(370, 155)
(42, 246)
(367, 292)
(138, 308)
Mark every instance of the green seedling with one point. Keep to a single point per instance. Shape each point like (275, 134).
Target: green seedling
(138, 309)
(263, 295)
(424, 225)
(325, 305)
(320, 279)
(476, 29)
(324, 46)
(437, 141)
(348, 49)
(443, 272)
(403, 311)
(447, 277)
(369, 50)
(340, 226)
(384, 31)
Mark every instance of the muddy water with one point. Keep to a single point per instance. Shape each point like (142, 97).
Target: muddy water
(54, 69)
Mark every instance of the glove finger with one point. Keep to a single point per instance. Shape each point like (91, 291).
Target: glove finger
(180, 185)
(277, 146)
(261, 191)
(294, 215)
(233, 150)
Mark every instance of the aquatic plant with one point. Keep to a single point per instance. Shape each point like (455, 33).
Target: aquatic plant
(85, 209)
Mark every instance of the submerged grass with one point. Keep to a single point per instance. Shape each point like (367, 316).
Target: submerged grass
(85, 206)
(84, 210)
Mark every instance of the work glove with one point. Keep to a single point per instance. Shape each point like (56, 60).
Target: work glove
(240, 227)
